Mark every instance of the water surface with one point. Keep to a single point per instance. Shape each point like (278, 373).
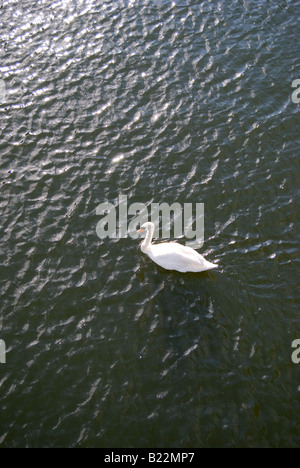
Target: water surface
(163, 101)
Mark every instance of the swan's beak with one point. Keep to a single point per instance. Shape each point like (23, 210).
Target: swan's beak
(141, 230)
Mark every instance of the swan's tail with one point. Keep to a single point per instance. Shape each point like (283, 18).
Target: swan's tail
(204, 266)
(209, 265)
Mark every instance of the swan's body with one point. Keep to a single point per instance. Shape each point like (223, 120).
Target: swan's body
(173, 256)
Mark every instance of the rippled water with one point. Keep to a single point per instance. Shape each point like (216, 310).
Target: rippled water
(161, 101)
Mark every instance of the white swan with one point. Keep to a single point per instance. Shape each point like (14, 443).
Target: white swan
(173, 256)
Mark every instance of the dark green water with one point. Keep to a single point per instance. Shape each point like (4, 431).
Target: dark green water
(181, 101)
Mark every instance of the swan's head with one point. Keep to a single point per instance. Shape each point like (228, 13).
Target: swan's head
(146, 227)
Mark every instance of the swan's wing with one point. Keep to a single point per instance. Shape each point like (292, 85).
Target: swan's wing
(176, 250)
(175, 256)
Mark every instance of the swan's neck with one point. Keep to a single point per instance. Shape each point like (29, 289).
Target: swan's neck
(147, 241)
